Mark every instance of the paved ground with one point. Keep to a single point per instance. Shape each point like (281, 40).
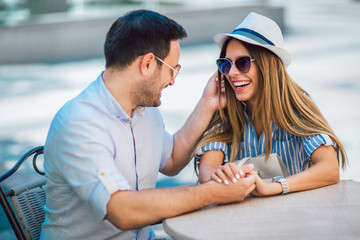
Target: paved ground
(322, 36)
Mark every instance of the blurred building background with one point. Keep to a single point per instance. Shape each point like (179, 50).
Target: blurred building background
(51, 50)
(61, 30)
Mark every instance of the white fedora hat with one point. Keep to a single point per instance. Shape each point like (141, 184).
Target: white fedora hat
(261, 31)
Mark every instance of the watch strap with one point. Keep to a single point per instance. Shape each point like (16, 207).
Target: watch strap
(284, 184)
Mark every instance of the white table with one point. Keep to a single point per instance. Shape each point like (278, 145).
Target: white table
(331, 212)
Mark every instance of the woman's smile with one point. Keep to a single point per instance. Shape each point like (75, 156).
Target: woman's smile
(240, 85)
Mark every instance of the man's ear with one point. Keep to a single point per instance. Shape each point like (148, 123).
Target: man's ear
(148, 64)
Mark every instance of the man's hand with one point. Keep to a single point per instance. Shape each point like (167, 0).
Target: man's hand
(211, 95)
(234, 191)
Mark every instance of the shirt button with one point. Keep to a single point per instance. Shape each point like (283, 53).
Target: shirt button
(128, 121)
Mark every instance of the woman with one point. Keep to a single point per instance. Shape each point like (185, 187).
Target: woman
(266, 112)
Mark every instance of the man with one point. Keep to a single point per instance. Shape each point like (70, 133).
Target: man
(106, 146)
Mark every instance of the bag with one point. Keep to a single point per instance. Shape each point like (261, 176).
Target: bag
(266, 170)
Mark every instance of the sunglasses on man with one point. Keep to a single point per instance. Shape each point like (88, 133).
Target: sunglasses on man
(242, 63)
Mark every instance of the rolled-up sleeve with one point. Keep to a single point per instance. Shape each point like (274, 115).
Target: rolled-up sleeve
(219, 146)
(100, 194)
(313, 142)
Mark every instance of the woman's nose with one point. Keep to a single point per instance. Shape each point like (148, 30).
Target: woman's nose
(233, 70)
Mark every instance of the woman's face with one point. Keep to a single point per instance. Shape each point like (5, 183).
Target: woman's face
(244, 84)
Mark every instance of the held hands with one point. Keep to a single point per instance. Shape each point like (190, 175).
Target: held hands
(210, 94)
(231, 172)
(235, 191)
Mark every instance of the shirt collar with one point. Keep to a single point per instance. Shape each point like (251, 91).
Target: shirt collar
(111, 103)
(140, 110)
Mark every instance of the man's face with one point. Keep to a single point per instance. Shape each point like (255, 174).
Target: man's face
(163, 77)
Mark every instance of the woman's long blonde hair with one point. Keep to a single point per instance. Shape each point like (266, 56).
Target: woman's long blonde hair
(277, 99)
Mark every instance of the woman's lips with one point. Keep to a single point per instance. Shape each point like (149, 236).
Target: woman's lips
(239, 85)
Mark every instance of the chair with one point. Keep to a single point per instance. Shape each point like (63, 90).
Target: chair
(27, 212)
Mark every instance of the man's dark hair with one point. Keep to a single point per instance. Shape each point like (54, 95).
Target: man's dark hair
(137, 33)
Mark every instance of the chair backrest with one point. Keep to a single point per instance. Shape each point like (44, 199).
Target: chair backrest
(28, 201)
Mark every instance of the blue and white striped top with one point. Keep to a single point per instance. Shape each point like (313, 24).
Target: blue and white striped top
(295, 151)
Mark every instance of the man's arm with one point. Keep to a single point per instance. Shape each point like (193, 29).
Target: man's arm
(188, 135)
(131, 210)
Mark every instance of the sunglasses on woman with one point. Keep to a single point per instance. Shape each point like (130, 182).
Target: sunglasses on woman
(242, 63)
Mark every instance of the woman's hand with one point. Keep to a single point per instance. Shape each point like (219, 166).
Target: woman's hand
(231, 172)
(265, 188)
(211, 95)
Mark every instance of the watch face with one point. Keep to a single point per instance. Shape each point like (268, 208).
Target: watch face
(278, 178)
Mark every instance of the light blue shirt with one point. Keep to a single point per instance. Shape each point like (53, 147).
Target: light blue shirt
(94, 149)
(295, 151)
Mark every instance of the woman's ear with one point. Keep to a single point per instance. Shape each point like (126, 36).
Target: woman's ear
(148, 64)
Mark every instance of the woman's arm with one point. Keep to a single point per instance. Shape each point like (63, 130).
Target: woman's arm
(325, 171)
(210, 161)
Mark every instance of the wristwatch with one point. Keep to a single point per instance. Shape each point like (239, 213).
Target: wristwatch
(284, 184)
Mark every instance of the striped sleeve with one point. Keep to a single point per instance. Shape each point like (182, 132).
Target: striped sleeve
(313, 142)
(220, 146)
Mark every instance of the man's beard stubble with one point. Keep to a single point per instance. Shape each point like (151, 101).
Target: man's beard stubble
(146, 94)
